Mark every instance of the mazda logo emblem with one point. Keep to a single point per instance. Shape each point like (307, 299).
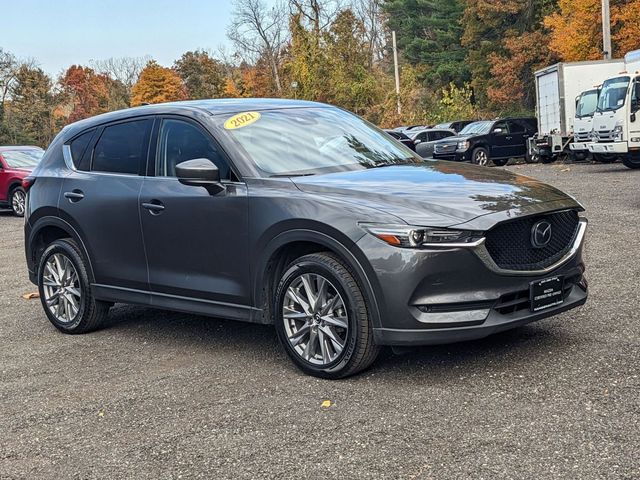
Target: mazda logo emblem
(541, 234)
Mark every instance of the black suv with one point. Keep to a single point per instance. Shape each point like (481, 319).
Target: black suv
(297, 214)
(488, 141)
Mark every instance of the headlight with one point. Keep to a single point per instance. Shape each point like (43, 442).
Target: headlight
(463, 145)
(407, 236)
(617, 132)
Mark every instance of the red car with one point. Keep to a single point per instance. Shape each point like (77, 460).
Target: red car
(15, 164)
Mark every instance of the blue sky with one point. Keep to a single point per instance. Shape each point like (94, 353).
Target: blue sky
(60, 33)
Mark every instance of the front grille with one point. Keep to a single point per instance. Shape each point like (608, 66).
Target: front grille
(604, 136)
(582, 137)
(444, 148)
(510, 247)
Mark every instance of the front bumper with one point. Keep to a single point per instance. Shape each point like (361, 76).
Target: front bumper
(454, 294)
(579, 146)
(613, 147)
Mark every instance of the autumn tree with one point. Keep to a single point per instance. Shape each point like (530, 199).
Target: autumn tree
(86, 92)
(157, 84)
(258, 30)
(494, 36)
(576, 28)
(203, 76)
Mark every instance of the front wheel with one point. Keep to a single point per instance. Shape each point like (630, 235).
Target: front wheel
(322, 319)
(65, 290)
(605, 157)
(18, 201)
(632, 160)
(480, 156)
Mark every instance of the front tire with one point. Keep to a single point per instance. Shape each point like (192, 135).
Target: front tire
(65, 290)
(631, 160)
(480, 156)
(322, 319)
(605, 158)
(18, 201)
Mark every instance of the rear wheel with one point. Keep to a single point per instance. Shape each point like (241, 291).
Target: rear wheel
(532, 158)
(322, 319)
(605, 157)
(18, 201)
(480, 156)
(65, 291)
(631, 160)
(548, 158)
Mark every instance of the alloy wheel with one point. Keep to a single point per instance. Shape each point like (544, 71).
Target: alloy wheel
(18, 202)
(61, 285)
(315, 319)
(481, 158)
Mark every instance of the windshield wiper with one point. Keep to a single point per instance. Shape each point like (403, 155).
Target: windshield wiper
(285, 175)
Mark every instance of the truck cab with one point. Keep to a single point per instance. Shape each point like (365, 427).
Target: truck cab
(586, 104)
(616, 122)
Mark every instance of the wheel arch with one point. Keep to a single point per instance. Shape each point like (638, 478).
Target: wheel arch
(48, 229)
(292, 244)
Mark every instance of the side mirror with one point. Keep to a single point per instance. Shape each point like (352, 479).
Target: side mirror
(417, 141)
(498, 130)
(200, 172)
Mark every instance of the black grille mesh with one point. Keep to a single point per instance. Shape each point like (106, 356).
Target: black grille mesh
(509, 244)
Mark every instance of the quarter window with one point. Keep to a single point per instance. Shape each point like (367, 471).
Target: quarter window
(78, 147)
(180, 141)
(122, 148)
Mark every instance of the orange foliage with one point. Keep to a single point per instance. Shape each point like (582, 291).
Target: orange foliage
(626, 36)
(157, 84)
(576, 29)
(87, 91)
(512, 71)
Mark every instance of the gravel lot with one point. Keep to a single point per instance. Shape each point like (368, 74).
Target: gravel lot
(168, 395)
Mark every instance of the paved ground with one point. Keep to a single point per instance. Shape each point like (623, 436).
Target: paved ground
(166, 395)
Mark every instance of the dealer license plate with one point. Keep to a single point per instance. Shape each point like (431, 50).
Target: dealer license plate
(546, 293)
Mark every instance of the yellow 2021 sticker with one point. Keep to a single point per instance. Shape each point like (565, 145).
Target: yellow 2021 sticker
(241, 120)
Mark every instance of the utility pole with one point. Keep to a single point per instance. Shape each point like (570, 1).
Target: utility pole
(606, 30)
(395, 66)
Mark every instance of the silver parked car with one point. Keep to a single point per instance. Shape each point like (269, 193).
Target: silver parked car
(425, 139)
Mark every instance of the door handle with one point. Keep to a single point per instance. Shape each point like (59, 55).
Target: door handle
(155, 207)
(508, 138)
(74, 196)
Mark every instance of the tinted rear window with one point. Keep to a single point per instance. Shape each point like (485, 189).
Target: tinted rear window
(122, 148)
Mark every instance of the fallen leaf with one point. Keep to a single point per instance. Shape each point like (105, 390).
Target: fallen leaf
(326, 404)
(31, 296)
(565, 170)
(101, 413)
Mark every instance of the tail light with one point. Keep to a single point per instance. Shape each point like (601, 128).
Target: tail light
(28, 182)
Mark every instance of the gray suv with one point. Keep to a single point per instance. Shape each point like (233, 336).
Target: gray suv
(296, 214)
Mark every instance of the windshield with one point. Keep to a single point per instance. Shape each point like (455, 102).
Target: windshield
(22, 158)
(312, 140)
(587, 103)
(477, 128)
(613, 93)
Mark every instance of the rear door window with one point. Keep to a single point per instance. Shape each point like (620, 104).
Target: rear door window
(122, 148)
(516, 126)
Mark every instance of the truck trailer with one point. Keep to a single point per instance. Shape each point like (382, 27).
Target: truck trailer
(558, 88)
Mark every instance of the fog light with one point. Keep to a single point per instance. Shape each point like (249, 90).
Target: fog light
(636, 139)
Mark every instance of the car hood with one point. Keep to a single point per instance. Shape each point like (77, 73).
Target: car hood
(441, 194)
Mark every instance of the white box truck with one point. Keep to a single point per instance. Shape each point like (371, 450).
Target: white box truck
(557, 90)
(616, 121)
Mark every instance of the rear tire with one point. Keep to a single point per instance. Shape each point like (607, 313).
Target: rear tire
(480, 156)
(605, 157)
(65, 289)
(531, 158)
(547, 158)
(18, 201)
(322, 319)
(631, 160)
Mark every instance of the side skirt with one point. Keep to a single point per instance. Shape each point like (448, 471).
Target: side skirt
(177, 303)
